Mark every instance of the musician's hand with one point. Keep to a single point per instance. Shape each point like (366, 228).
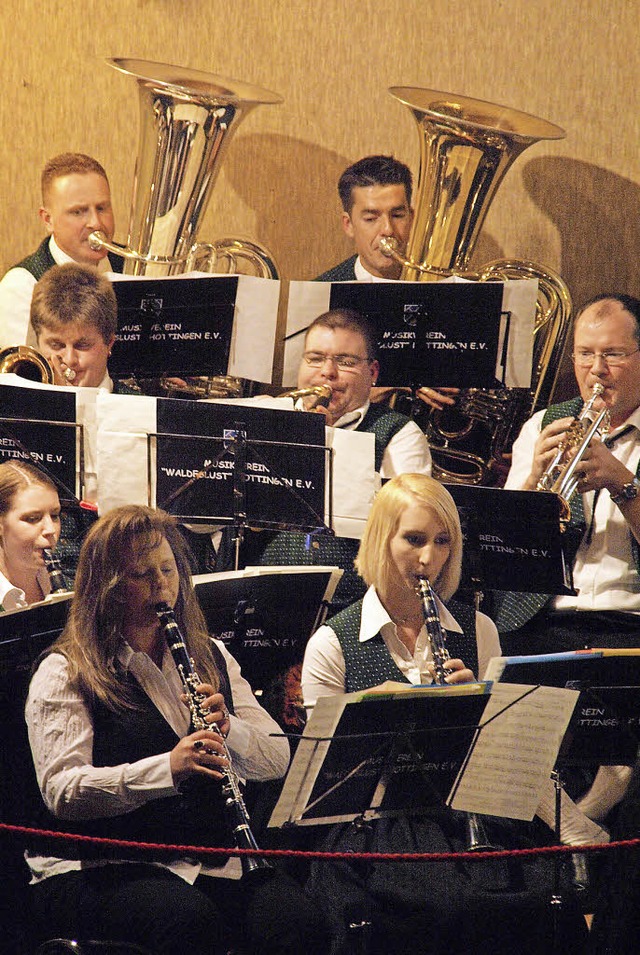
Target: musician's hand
(214, 702)
(200, 753)
(545, 450)
(379, 394)
(437, 398)
(460, 674)
(599, 468)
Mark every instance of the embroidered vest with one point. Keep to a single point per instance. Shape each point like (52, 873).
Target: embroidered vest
(370, 663)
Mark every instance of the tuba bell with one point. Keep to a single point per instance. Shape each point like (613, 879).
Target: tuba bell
(187, 119)
(26, 362)
(466, 148)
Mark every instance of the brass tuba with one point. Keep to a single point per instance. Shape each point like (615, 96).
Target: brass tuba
(466, 149)
(187, 119)
(26, 362)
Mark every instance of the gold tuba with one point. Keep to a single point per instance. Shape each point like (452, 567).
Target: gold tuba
(466, 149)
(187, 119)
(26, 362)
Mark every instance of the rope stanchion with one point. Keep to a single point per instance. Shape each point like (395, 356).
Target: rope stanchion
(163, 848)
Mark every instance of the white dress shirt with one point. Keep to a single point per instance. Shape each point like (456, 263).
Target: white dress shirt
(604, 571)
(362, 275)
(407, 452)
(323, 669)
(61, 738)
(14, 598)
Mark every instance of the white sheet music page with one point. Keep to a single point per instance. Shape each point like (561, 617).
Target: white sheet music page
(515, 753)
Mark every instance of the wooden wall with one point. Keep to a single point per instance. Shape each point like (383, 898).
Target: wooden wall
(571, 204)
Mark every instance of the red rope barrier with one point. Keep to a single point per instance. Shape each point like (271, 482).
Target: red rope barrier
(326, 856)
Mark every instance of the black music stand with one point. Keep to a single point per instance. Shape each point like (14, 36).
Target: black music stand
(344, 770)
(265, 616)
(245, 465)
(513, 541)
(605, 727)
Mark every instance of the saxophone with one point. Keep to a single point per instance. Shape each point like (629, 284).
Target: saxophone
(237, 814)
(477, 838)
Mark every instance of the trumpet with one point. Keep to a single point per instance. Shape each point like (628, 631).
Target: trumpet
(237, 814)
(320, 396)
(562, 475)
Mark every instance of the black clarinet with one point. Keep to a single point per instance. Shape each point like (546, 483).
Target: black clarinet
(237, 814)
(477, 839)
(54, 569)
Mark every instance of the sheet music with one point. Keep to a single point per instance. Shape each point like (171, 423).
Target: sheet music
(515, 752)
(317, 736)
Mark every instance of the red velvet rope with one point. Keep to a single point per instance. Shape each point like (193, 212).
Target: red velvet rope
(327, 856)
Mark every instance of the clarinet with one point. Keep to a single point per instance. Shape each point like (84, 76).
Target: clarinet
(477, 839)
(237, 814)
(54, 569)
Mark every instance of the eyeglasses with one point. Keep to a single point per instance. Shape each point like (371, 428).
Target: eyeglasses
(345, 362)
(585, 359)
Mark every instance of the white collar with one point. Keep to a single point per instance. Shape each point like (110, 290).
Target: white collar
(374, 616)
(14, 598)
(351, 419)
(362, 275)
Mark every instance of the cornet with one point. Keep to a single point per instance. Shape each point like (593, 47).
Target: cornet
(562, 475)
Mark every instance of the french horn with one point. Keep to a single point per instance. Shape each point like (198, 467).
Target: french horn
(466, 148)
(187, 120)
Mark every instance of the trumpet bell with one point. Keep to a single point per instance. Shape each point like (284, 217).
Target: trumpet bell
(26, 362)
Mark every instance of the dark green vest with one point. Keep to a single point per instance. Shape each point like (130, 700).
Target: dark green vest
(370, 663)
(41, 261)
(513, 610)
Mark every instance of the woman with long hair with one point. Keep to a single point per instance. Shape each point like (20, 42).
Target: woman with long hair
(116, 755)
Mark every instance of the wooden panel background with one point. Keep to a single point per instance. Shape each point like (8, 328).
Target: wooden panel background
(571, 204)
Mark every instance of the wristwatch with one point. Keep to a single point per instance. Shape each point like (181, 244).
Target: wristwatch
(628, 492)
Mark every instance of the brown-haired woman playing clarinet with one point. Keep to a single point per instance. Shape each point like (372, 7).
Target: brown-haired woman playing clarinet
(116, 755)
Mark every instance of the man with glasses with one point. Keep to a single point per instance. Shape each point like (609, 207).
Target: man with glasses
(339, 351)
(605, 513)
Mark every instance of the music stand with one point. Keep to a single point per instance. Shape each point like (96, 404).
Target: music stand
(265, 615)
(512, 541)
(605, 727)
(444, 333)
(195, 324)
(342, 770)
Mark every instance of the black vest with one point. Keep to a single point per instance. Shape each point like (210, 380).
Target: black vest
(370, 663)
(195, 816)
(41, 261)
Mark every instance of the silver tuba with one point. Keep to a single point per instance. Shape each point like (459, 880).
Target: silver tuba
(187, 119)
(466, 149)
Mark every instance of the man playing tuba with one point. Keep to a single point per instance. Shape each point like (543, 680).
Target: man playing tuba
(76, 200)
